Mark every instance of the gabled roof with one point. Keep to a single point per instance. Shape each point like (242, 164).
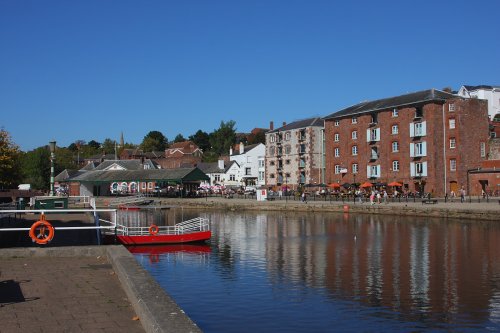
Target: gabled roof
(90, 166)
(184, 147)
(66, 174)
(309, 122)
(126, 164)
(213, 167)
(246, 149)
(173, 175)
(416, 98)
(155, 154)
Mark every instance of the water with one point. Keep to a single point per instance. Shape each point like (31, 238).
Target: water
(305, 272)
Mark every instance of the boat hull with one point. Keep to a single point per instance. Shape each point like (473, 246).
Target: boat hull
(165, 239)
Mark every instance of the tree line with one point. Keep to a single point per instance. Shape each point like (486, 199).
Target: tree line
(33, 167)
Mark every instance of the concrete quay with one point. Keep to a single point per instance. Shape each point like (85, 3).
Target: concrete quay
(83, 289)
(474, 210)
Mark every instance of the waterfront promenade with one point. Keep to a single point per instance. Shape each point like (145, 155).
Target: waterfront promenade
(473, 210)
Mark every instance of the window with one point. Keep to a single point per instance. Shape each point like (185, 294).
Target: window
(395, 146)
(373, 171)
(143, 186)
(419, 112)
(248, 171)
(395, 113)
(418, 169)
(288, 149)
(271, 163)
(232, 178)
(354, 135)
(373, 118)
(374, 153)
(395, 165)
(354, 150)
(418, 149)
(217, 178)
(271, 151)
(336, 137)
(150, 186)
(482, 147)
(271, 176)
(261, 175)
(273, 138)
(287, 136)
(354, 120)
(302, 148)
(453, 164)
(420, 129)
(337, 152)
(355, 168)
(287, 162)
(336, 123)
(261, 164)
(337, 169)
(453, 143)
(395, 129)
(452, 123)
(373, 134)
(451, 107)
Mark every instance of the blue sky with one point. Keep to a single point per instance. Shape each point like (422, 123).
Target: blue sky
(91, 69)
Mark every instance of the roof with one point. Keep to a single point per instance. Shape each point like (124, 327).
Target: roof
(415, 98)
(126, 164)
(107, 176)
(66, 174)
(309, 122)
(90, 166)
(483, 86)
(213, 167)
(184, 147)
(246, 149)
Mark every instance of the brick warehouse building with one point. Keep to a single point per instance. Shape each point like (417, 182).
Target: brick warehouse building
(425, 140)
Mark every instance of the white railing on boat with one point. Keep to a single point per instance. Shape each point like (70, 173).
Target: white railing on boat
(194, 225)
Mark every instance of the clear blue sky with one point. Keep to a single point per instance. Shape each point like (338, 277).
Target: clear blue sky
(92, 69)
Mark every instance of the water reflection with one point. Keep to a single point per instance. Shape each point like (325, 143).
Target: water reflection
(410, 273)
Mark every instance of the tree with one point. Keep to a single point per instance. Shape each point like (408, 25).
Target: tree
(154, 141)
(258, 137)
(9, 161)
(109, 146)
(179, 138)
(223, 138)
(94, 144)
(36, 168)
(202, 140)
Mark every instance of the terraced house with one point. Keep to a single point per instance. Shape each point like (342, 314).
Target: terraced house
(428, 141)
(294, 154)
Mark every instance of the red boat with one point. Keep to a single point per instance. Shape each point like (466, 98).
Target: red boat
(194, 230)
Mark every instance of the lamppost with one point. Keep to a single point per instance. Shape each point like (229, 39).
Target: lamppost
(52, 146)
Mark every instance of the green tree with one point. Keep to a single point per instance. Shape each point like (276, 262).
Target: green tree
(9, 161)
(94, 144)
(36, 168)
(259, 137)
(223, 138)
(154, 141)
(108, 146)
(202, 140)
(179, 138)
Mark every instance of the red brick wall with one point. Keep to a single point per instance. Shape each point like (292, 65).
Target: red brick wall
(471, 129)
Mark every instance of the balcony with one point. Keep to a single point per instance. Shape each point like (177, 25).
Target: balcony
(374, 156)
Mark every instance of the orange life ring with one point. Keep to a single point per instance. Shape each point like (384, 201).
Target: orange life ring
(153, 229)
(41, 232)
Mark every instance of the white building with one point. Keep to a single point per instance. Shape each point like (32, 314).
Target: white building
(489, 93)
(221, 174)
(251, 160)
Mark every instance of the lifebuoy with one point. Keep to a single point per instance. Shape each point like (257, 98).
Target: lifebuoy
(41, 232)
(153, 229)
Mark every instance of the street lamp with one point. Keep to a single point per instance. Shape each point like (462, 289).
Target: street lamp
(52, 146)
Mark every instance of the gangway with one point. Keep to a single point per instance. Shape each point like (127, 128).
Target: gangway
(135, 200)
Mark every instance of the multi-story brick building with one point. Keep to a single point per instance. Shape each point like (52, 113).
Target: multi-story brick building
(294, 154)
(427, 141)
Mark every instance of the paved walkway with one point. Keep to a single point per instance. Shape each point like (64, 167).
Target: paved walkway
(63, 294)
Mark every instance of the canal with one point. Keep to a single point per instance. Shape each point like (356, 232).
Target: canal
(324, 272)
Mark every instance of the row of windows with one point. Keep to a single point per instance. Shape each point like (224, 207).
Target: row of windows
(287, 150)
(395, 114)
(416, 168)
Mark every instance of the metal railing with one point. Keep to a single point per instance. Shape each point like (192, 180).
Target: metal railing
(194, 225)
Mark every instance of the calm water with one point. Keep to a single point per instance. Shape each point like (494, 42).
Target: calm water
(269, 272)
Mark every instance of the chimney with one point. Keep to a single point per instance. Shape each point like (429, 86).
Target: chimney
(284, 123)
(271, 125)
(221, 164)
(242, 148)
(230, 151)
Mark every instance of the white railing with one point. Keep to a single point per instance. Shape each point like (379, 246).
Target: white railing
(110, 225)
(185, 227)
(128, 200)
